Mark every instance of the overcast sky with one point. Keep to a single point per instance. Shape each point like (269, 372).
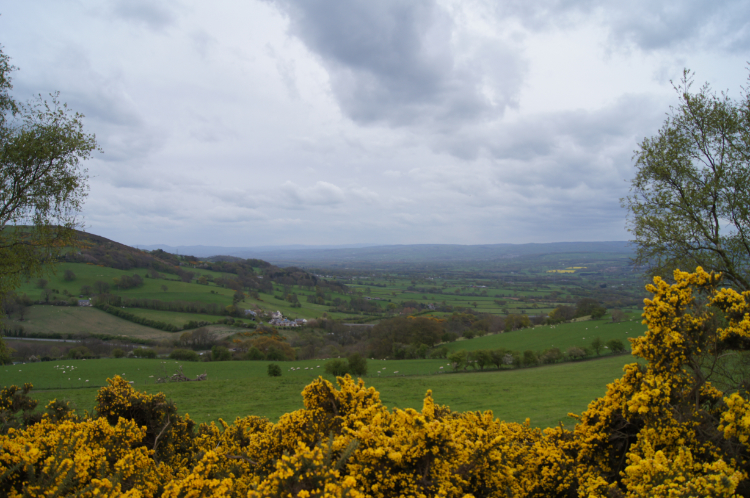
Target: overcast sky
(360, 121)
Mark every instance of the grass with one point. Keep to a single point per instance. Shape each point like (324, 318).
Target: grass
(544, 394)
(82, 320)
(560, 336)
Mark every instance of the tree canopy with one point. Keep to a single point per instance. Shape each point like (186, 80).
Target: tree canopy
(42, 182)
(689, 203)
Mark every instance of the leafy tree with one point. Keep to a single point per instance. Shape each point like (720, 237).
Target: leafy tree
(482, 358)
(616, 346)
(184, 355)
(498, 357)
(42, 183)
(618, 315)
(688, 203)
(551, 355)
(220, 353)
(255, 354)
(69, 276)
(529, 358)
(561, 314)
(118, 353)
(101, 287)
(597, 344)
(458, 359)
(337, 367)
(439, 353)
(357, 364)
(5, 353)
(41, 283)
(575, 353)
(588, 306)
(274, 370)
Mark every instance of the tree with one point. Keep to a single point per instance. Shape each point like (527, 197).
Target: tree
(618, 315)
(69, 276)
(220, 353)
(588, 306)
(482, 358)
(357, 364)
(5, 353)
(337, 367)
(101, 287)
(616, 346)
(274, 370)
(689, 203)
(42, 183)
(597, 344)
(561, 314)
(458, 359)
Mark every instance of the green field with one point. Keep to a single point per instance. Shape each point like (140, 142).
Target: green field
(560, 336)
(544, 394)
(82, 320)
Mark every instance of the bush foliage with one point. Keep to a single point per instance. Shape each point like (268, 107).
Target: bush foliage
(663, 429)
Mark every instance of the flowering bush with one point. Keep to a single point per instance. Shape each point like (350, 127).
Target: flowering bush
(663, 429)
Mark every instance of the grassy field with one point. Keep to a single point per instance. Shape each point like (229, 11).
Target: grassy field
(560, 336)
(543, 394)
(82, 320)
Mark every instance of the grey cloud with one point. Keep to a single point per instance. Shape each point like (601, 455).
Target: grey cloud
(153, 15)
(393, 62)
(320, 194)
(657, 25)
(286, 72)
(646, 24)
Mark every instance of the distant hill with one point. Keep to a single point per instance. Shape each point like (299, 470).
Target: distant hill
(414, 253)
(421, 253)
(208, 251)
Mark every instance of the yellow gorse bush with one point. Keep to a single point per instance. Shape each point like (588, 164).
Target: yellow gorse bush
(661, 430)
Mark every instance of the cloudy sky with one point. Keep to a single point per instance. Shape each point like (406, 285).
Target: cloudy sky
(390, 121)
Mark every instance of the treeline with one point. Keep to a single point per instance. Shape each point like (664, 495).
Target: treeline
(507, 358)
(402, 337)
(120, 313)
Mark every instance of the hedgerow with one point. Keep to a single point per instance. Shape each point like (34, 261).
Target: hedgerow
(663, 429)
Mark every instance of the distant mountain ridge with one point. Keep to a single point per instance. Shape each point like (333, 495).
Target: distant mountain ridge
(302, 254)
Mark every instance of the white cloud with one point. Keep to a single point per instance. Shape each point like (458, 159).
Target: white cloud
(386, 122)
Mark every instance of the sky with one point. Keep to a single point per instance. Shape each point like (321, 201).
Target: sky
(322, 122)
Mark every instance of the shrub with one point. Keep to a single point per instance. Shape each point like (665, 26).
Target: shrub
(275, 354)
(439, 353)
(449, 337)
(337, 367)
(80, 352)
(220, 353)
(551, 355)
(274, 370)
(118, 353)
(184, 355)
(144, 353)
(255, 354)
(529, 358)
(575, 353)
(357, 364)
(616, 346)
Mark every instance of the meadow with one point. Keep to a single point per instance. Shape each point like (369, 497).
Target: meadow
(545, 394)
(562, 336)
